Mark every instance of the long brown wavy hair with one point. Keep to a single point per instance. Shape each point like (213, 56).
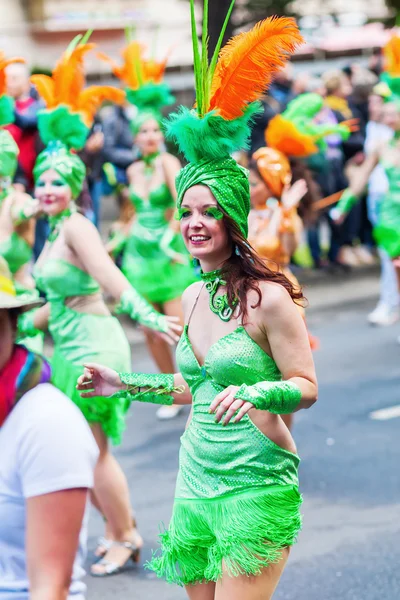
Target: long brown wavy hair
(245, 269)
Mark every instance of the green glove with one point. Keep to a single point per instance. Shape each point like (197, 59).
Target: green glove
(278, 397)
(134, 305)
(158, 387)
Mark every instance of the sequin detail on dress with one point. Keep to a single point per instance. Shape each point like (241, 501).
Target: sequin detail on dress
(226, 472)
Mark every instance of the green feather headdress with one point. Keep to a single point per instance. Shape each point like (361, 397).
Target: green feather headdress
(71, 107)
(228, 89)
(295, 133)
(143, 78)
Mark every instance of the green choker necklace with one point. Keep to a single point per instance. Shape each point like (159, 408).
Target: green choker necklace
(56, 221)
(218, 304)
(149, 162)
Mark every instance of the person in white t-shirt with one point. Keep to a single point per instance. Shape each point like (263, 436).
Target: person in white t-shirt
(48, 455)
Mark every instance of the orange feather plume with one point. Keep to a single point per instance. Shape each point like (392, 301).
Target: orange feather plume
(135, 70)
(248, 63)
(284, 136)
(66, 86)
(391, 53)
(4, 62)
(130, 71)
(93, 97)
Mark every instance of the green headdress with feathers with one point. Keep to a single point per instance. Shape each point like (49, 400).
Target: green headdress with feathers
(227, 92)
(295, 133)
(66, 122)
(143, 78)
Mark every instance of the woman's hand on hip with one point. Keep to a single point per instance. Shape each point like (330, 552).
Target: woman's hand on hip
(225, 406)
(98, 380)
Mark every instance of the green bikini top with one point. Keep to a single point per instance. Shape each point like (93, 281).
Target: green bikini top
(59, 279)
(16, 251)
(151, 212)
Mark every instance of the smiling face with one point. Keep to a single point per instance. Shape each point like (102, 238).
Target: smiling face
(53, 193)
(202, 227)
(149, 138)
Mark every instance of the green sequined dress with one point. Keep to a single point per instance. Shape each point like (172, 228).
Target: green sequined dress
(387, 229)
(237, 498)
(82, 337)
(144, 263)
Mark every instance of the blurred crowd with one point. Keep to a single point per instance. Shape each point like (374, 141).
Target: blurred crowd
(350, 93)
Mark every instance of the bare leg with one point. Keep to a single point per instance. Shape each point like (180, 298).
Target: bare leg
(260, 587)
(112, 495)
(201, 591)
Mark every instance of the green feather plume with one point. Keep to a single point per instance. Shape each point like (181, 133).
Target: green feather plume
(212, 136)
(60, 124)
(150, 95)
(304, 106)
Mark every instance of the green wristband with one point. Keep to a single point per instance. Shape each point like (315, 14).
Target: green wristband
(278, 397)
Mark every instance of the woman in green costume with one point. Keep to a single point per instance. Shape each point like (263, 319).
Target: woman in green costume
(244, 357)
(155, 260)
(387, 229)
(72, 271)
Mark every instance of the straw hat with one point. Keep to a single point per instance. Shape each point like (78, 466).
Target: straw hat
(8, 294)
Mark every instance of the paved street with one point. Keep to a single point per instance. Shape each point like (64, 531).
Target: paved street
(350, 476)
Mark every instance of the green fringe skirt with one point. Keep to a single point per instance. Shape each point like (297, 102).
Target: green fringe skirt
(245, 532)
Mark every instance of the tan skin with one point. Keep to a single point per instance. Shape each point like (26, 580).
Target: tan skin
(16, 215)
(276, 326)
(79, 244)
(49, 517)
(149, 140)
(389, 154)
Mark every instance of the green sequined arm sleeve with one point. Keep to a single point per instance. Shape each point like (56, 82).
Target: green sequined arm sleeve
(278, 397)
(157, 387)
(26, 324)
(133, 304)
(346, 202)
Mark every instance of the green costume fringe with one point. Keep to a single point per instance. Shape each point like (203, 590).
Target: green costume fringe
(246, 532)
